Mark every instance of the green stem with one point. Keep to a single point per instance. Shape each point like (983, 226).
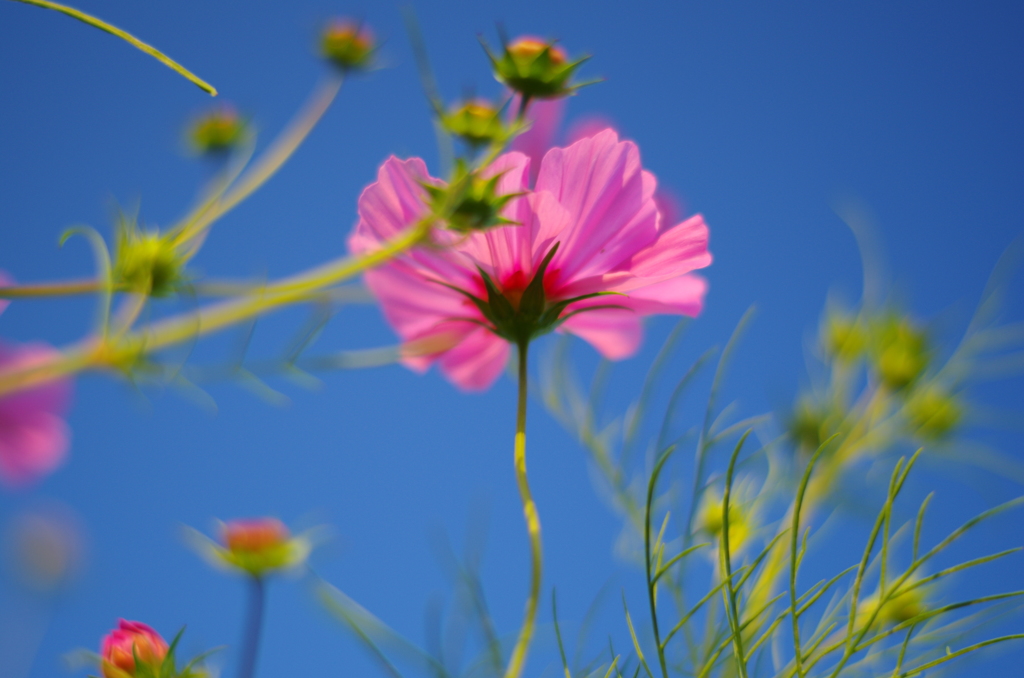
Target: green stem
(515, 664)
(93, 352)
(127, 37)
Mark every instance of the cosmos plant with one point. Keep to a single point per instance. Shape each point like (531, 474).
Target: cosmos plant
(514, 238)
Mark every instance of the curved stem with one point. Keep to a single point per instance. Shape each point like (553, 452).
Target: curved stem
(254, 624)
(129, 38)
(515, 664)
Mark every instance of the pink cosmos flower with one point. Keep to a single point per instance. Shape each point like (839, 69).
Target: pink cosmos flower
(131, 640)
(592, 215)
(33, 435)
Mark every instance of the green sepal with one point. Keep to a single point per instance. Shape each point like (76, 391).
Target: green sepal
(501, 307)
(532, 302)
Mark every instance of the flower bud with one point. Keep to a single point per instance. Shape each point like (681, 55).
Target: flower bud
(218, 131)
(476, 122)
(254, 546)
(903, 606)
(901, 352)
(470, 202)
(811, 423)
(844, 338)
(534, 68)
(347, 44)
(259, 545)
(130, 642)
(932, 412)
(146, 262)
(710, 520)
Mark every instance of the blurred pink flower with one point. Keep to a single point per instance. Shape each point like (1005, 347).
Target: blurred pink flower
(131, 640)
(33, 435)
(593, 199)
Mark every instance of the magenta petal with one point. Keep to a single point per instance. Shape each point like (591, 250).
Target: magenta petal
(413, 305)
(391, 204)
(615, 333)
(600, 182)
(33, 436)
(677, 250)
(476, 362)
(678, 296)
(31, 446)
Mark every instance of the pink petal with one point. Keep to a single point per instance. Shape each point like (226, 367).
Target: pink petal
(33, 435)
(615, 333)
(477, 361)
(391, 204)
(31, 446)
(600, 182)
(413, 304)
(678, 296)
(677, 250)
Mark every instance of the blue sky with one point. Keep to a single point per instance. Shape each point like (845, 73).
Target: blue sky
(762, 118)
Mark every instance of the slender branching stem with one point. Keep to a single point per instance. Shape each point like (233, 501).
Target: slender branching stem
(518, 659)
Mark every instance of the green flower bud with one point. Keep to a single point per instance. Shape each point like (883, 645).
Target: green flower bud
(470, 202)
(476, 122)
(146, 262)
(904, 606)
(534, 68)
(932, 412)
(710, 520)
(901, 352)
(812, 423)
(347, 44)
(218, 131)
(844, 338)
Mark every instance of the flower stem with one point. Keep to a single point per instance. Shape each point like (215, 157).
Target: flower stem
(129, 38)
(251, 646)
(515, 664)
(93, 352)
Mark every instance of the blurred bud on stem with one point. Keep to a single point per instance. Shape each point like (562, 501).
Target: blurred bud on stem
(254, 546)
(844, 338)
(710, 520)
(347, 44)
(900, 352)
(932, 412)
(147, 262)
(476, 122)
(901, 607)
(218, 131)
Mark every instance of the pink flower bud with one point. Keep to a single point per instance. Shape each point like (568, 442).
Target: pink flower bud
(131, 640)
